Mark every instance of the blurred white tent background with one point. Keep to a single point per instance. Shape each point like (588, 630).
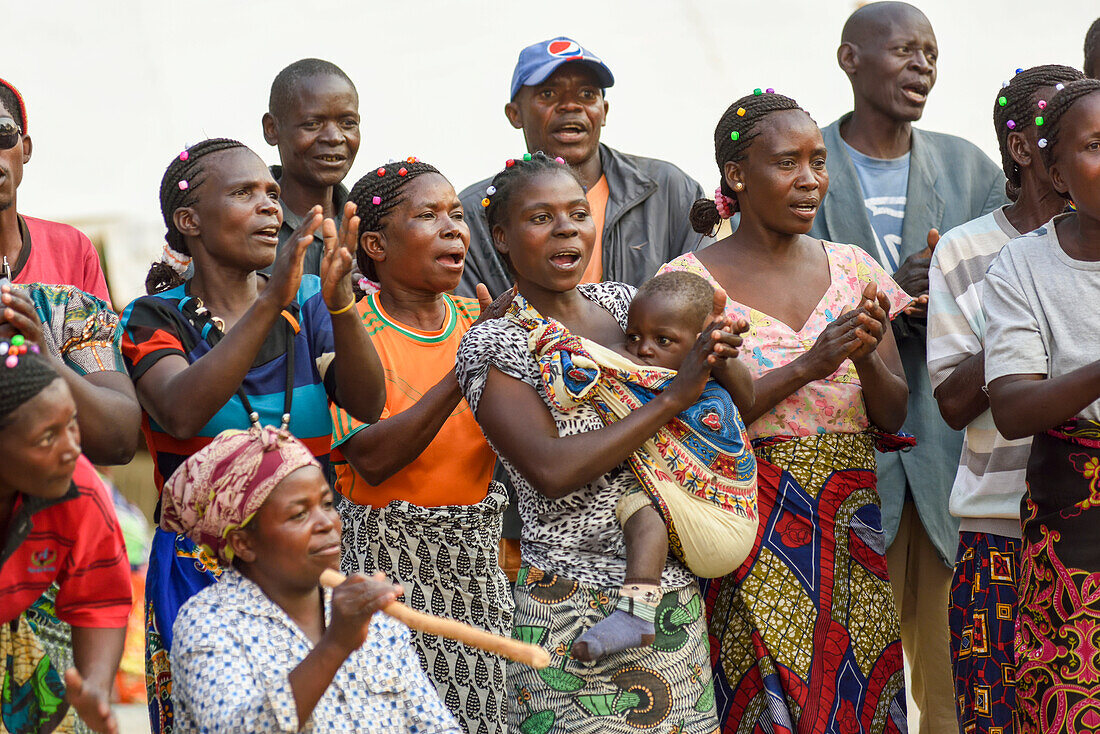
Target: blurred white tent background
(113, 90)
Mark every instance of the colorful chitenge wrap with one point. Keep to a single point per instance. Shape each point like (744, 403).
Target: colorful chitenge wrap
(807, 633)
(660, 688)
(698, 471)
(982, 620)
(35, 650)
(1058, 627)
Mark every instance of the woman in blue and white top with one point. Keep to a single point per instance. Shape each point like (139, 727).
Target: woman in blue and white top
(267, 649)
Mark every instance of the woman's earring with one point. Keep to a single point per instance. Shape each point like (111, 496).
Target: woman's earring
(739, 186)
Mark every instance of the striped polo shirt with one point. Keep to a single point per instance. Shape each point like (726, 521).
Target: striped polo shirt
(990, 480)
(174, 323)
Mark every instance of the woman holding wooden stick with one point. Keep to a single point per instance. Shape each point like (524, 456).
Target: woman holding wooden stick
(267, 649)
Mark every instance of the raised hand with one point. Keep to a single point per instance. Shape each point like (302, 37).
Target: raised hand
(490, 308)
(18, 316)
(354, 602)
(912, 276)
(835, 344)
(338, 260)
(873, 321)
(726, 342)
(715, 343)
(92, 705)
(286, 276)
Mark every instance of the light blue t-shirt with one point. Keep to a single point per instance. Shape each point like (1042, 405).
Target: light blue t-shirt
(884, 184)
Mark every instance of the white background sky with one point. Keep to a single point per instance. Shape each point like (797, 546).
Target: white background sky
(115, 89)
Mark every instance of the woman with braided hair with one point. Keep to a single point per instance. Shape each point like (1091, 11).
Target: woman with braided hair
(423, 509)
(809, 636)
(59, 526)
(570, 470)
(989, 483)
(1040, 298)
(217, 345)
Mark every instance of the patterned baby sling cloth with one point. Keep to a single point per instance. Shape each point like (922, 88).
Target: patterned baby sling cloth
(698, 471)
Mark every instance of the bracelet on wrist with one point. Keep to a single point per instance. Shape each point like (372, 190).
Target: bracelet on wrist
(345, 308)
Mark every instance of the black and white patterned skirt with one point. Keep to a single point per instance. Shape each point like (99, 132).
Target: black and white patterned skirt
(446, 560)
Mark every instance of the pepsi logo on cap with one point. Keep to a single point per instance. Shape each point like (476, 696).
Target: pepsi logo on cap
(565, 49)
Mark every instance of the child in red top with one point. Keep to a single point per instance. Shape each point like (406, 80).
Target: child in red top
(74, 540)
(58, 525)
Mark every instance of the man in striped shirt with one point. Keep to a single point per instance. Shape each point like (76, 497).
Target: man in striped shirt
(990, 479)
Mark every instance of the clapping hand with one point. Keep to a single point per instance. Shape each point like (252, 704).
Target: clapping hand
(336, 264)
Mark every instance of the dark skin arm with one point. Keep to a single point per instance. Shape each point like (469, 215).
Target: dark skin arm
(960, 396)
(354, 602)
(210, 382)
(358, 375)
(878, 364)
(854, 335)
(106, 405)
(912, 276)
(379, 451)
(732, 374)
(96, 654)
(519, 425)
(835, 344)
(1024, 405)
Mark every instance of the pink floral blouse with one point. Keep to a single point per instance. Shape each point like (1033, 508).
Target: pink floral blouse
(832, 405)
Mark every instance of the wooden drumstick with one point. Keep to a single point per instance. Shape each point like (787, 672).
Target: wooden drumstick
(521, 652)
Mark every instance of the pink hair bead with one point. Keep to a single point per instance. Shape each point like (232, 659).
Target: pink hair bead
(723, 204)
(12, 360)
(376, 200)
(560, 160)
(184, 155)
(1042, 104)
(183, 185)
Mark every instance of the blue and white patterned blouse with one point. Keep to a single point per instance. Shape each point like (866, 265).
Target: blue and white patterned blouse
(233, 652)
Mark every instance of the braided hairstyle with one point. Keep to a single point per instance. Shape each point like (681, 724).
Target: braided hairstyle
(1092, 45)
(1055, 112)
(30, 375)
(514, 173)
(1021, 98)
(186, 166)
(511, 178)
(387, 187)
(705, 215)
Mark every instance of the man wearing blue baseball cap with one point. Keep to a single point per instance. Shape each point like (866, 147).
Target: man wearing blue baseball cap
(640, 205)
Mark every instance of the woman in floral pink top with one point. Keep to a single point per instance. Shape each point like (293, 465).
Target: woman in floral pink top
(808, 632)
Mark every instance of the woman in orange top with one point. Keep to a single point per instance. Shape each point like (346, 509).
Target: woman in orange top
(422, 508)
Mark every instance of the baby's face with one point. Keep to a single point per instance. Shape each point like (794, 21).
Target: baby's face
(657, 333)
